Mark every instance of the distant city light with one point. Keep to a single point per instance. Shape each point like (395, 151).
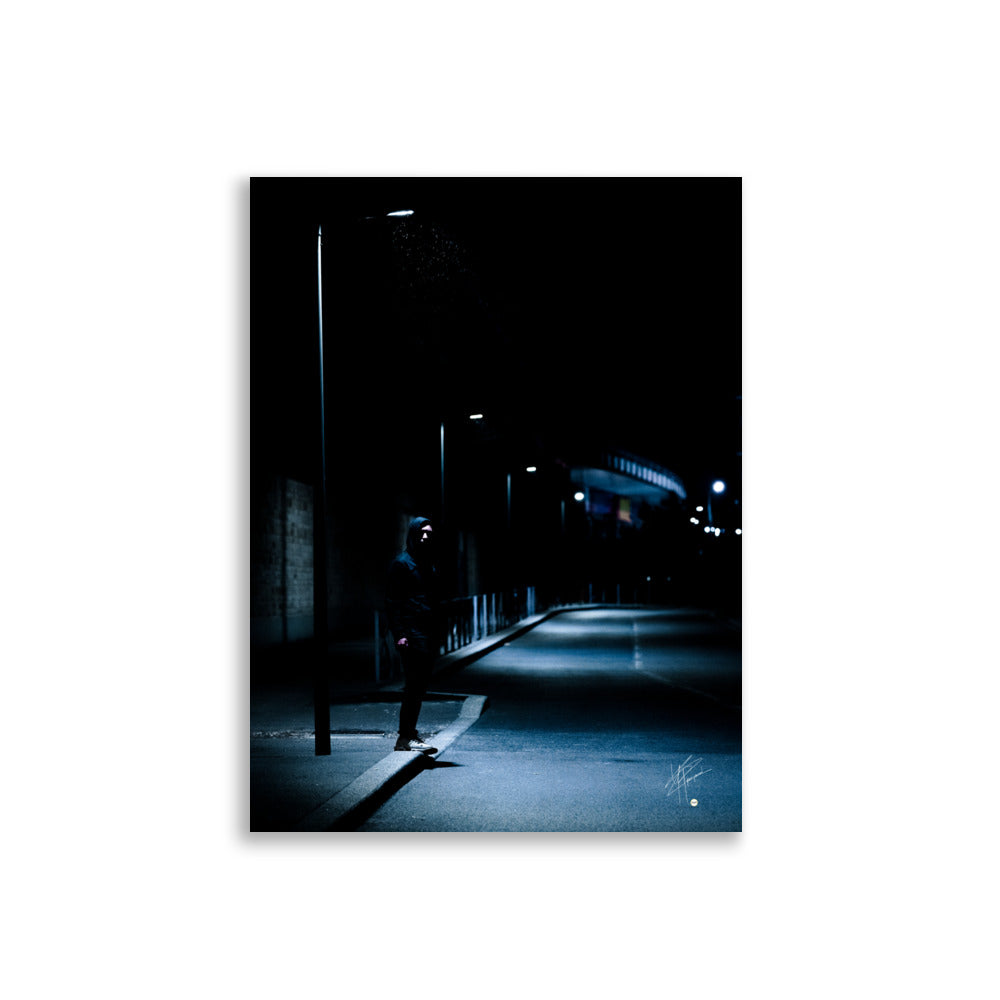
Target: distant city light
(695, 520)
(699, 509)
(578, 496)
(718, 531)
(707, 529)
(475, 416)
(531, 468)
(718, 486)
(739, 531)
(401, 213)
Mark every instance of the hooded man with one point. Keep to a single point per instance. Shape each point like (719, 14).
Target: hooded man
(411, 608)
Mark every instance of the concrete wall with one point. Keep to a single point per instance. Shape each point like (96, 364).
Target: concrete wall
(365, 530)
(281, 566)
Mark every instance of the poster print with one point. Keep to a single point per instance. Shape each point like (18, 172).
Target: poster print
(495, 433)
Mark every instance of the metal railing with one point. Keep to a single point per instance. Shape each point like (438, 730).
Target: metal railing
(465, 620)
(469, 619)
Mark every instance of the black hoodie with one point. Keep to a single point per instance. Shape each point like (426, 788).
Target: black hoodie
(410, 599)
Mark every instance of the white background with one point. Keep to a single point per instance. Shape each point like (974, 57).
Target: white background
(865, 134)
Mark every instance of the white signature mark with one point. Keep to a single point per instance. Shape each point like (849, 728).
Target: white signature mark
(683, 776)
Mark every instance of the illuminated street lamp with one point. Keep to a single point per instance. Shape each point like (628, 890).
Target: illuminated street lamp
(718, 487)
(476, 418)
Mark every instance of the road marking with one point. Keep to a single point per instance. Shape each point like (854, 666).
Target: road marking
(689, 690)
(637, 664)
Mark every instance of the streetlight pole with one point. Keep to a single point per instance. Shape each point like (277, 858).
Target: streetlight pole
(321, 691)
(508, 507)
(321, 634)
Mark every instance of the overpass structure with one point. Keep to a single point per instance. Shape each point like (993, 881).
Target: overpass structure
(616, 483)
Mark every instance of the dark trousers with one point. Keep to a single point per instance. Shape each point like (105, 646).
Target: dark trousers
(417, 666)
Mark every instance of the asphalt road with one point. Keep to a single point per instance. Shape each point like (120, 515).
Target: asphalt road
(599, 720)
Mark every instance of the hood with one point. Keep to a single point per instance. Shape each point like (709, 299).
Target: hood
(413, 537)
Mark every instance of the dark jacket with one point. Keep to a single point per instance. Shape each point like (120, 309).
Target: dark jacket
(410, 600)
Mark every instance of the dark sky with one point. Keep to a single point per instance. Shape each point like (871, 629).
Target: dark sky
(588, 308)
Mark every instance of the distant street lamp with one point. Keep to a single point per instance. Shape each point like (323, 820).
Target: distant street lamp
(718, 487)
(529, 468)
(476, 418)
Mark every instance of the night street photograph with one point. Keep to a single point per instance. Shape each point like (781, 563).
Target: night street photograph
(379, 383)
(495, 505)
(379, 379)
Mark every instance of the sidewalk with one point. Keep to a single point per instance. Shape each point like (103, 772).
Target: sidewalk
(292, 789)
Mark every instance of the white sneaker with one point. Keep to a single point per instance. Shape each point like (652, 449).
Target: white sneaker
(415, 743)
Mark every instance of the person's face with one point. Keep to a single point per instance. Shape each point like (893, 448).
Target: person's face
(425, 536)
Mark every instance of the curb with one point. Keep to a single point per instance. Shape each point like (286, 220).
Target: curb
(350, 807)
(453, 661)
